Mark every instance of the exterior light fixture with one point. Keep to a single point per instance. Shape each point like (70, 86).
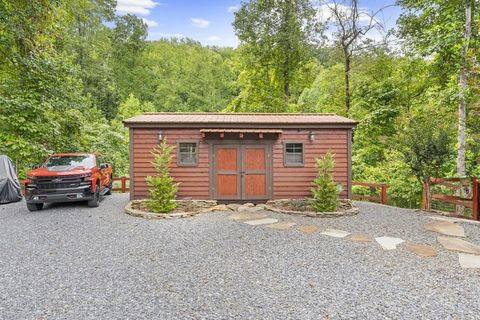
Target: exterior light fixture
(160, 136)
(311, 136)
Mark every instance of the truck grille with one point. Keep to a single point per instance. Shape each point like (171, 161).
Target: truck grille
(60, 182)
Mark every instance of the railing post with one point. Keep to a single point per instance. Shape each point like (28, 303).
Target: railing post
(124, 185)
(384, 193)
(426, 187)
(475, 199)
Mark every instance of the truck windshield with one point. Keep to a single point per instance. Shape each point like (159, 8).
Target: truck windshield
(69, 162)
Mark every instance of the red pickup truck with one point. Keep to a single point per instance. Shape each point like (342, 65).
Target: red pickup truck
(66, 177)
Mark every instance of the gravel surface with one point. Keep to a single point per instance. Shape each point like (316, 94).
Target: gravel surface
(73, 262)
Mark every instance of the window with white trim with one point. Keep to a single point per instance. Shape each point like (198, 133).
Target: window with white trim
(187, 153)
(293, 154)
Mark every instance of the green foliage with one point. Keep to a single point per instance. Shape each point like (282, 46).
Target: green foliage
(162, 189)
(185, 76)
(435, 28)
(404, 190)
(325, 191)
(426, 145)
(277, 38)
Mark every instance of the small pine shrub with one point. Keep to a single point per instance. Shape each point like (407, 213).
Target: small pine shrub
(325, 191)
(162, 189)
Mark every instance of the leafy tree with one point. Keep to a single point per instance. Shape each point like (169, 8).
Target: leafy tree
(425, 144)
(128, 44)
(325, 191)
(40, 92)
(350, 34)
(184, 76)
(162, 189)
(443, 30)
(276, 41)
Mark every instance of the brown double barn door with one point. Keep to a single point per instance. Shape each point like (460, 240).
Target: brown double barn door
(242, 172)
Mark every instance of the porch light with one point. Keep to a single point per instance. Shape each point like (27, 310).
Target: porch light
(311, 136)
(160, 136)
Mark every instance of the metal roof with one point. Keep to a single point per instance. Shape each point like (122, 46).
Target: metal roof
(261, 120)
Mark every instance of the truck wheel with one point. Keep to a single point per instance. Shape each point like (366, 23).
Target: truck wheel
(34, 206)
(96, 198)
(109, 187)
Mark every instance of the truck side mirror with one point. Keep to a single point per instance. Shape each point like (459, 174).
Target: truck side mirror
(103, 166)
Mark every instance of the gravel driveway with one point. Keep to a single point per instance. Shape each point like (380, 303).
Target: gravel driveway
(73, 262)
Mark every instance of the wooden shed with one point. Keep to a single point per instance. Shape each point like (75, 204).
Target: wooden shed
(241, 156)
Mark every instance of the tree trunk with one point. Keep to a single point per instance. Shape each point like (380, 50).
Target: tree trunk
(462, 105)
(347, 82)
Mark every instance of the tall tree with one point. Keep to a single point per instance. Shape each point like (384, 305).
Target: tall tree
(276, 38)
(87, 41)
(352, 24)
(442, 29)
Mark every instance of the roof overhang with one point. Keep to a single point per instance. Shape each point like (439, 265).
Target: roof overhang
(240, 130)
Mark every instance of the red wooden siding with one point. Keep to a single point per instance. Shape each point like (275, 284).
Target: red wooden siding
(296, 182)
(288, 182)
(194, 181)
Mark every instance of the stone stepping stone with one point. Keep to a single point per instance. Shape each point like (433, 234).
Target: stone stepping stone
(233, 206)
(446, 228)
(389, 243)
(335, 233)
(247, 216)
(249, 209)
(360, 237)
(283, 225)
(261, 221)
(469, 261)
(309, 229)
(422, 250)
(455, 244)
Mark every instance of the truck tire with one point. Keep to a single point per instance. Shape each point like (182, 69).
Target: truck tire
(96, 198)
(34, 206)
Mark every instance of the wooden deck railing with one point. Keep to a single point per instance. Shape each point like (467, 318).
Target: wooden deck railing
(381, 198)
(471, 200)
(123, 184)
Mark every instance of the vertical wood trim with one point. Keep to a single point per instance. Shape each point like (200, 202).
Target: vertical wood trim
(349, 165)
(211, 171)
(130, 156)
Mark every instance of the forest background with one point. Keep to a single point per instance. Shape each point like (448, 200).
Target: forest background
(72, 70)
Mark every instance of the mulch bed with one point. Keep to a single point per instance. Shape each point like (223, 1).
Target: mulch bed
(303, 207)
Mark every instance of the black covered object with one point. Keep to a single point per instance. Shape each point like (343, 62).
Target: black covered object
(10, 189)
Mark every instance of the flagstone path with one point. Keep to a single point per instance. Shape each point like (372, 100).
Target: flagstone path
(422, 250)
(335, 233)
(455, 244)
(446, 228)
(469, 256)
(389, 243)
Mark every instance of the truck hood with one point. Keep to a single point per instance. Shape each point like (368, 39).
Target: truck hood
(59, 171)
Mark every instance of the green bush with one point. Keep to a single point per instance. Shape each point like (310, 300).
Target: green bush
(325, 191)
(162, 189)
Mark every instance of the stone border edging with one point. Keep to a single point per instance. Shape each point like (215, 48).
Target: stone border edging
(151, 215)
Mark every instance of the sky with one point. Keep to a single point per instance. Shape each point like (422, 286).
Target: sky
(210, 21)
